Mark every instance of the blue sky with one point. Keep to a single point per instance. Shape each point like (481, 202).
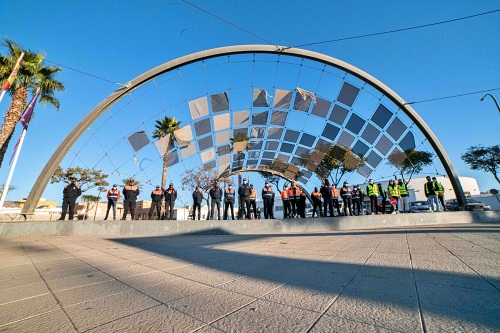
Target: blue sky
(119, 40)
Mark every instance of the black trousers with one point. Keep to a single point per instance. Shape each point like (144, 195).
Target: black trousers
(68, 203)
(383, 205)
(294, 204)
(254, 206)
(347, 206)
(228, 204)
(196, 205)
(111, 203)
(129, 205)
(244, 207)
(286, 209)
(214, 203)
(327, 204)
(356, 206)
(374, 203)
(336, 204)
(157, 205)
(317, 205)
(268, 209)
(169, 210)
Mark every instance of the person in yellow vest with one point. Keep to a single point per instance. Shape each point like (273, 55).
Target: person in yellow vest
(113, 196)
(393, 191)
(372, 192)
(440, 192)
(156, 198)
(403, 197)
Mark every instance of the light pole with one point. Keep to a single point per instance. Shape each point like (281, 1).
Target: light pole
(494, 99)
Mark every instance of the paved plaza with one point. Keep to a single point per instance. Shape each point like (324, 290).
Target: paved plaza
(421, 279)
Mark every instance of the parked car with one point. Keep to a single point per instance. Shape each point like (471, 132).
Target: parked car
(420, 207)
(471, 204)
(389, 208)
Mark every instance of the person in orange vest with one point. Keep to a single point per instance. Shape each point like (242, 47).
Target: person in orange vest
(346, 194)
(130, 193)
(268, 201)
(253, 202)
(229, 195)
(335, 199)
(286, 202)
(316, 199)
(156, 198)
(170, 197)
(113, 196)
(294, 196)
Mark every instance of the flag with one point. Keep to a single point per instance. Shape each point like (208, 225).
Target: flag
(26, 116)
(12, 75)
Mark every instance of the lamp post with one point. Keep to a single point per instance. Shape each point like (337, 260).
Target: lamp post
(494, 99)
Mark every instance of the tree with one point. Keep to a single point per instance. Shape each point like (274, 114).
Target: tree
(166, 127)
(484, 159)
(203, 178)
(338, 161)
(86, 178)
(32, 75)
(11, 187)
(410, 162)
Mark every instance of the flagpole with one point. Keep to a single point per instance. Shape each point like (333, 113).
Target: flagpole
(9, 178)
(3, 93)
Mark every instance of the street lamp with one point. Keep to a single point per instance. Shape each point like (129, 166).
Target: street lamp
(494, 99)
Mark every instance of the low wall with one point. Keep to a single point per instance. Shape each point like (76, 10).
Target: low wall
(159, 228)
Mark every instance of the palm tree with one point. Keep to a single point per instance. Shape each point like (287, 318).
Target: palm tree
(32, 75)
(166, 127)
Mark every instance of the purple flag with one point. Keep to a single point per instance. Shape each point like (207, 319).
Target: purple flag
(26, 116)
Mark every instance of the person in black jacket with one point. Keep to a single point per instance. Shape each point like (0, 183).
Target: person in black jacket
(170, 197)
(268, 201)
(229, 202)
(70, 193)
(326, 194)
(244, 200)
(215, 194)
(130, 193)
(197, 200)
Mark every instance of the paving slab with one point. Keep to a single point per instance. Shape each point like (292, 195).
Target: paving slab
(410, 279)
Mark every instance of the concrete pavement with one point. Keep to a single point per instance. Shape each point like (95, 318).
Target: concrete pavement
(418, 279)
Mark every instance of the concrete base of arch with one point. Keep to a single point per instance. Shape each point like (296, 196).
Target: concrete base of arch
(244, 227)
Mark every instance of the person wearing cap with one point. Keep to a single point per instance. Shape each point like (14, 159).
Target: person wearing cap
(70, 193)
(156, 198)
(197, 200)
(170, 197)
(244, 200)
(268, 201)
(130, 193)
(229, 195)
(286, 202)
(440, 192)
(431, 191)
(215, 194)
(113, 196)
(253, 202)
(346, 194)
